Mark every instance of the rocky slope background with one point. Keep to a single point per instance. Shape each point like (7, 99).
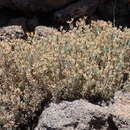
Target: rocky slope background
(31, 13)
(24, 16)
(58, 75)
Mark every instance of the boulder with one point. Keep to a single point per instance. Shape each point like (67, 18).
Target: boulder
(76, 115)
(11, 32)
(120, 110)
(43, 31)
(82, 115)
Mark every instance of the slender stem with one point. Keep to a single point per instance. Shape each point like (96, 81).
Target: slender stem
(114, 12)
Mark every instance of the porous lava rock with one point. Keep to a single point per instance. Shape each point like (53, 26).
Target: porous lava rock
(76, 115)
(82, 115)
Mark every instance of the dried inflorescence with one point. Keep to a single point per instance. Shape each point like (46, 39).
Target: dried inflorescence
(89, 61)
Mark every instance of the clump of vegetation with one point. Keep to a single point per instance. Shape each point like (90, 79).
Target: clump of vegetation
(88, 61)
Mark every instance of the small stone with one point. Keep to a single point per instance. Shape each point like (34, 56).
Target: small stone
(11, 32)
(43, 31)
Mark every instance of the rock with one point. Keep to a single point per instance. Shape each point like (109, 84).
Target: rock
(121, 104)
(11, 32)
(26, 23)
(21, 21)
(76, 115)
(34, 5)
(32, 23)
(77, 9)
(3, 18)
(120, 110)
(43, 31)
(116, 10)
(121, 123)
(82, 115)
(64, 8)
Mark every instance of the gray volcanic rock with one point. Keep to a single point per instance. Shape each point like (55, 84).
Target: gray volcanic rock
(82, 115)
(11, 32)
(43, 31)
(120, 110)
(76, 115)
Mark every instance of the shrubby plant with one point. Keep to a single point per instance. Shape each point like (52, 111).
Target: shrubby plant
(88, 61)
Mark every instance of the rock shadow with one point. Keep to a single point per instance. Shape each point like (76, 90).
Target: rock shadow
(29, 21)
